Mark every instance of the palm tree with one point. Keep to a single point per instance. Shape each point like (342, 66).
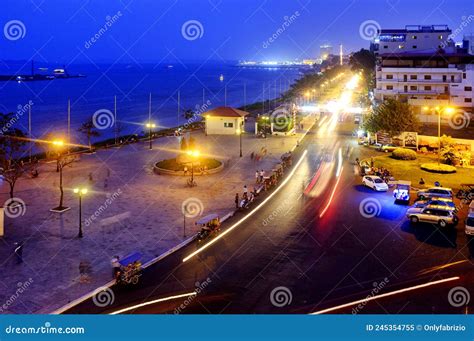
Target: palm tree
(88, 128)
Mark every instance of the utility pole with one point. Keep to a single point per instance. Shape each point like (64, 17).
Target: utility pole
(68, 125)
(115, 120)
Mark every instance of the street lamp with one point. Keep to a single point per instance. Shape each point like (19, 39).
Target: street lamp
(150, 126)
(439, 110)
(194, 155)
(80, 192)
(239, 132)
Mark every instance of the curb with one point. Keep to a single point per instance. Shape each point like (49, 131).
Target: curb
(112, 282)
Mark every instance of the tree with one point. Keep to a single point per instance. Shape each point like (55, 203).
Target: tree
(62, 161)
(362, 60)
(392, 117)
(89, 130)
(12, 143)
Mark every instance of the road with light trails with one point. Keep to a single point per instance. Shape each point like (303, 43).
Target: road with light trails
(321, 261)
(317, 243)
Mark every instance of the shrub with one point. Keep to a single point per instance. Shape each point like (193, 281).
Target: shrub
(404, 154)
(423, 150)
(435, 168)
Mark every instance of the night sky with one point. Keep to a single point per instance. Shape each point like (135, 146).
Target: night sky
(151, 30)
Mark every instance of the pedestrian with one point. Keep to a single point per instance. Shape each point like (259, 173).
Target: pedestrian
(185, 170)
(262, 174)
(252, 155)
(106, 183)
(257, 177)
(90, 177)
(237, 200)
(246, 192)
(422, 181)
(19, 251)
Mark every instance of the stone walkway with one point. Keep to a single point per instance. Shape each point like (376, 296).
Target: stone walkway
(134, 209)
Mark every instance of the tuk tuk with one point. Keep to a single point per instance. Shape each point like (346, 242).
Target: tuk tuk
(402, 192)
(130, 269)
(209, 224)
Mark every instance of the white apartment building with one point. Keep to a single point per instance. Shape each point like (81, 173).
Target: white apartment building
(413, 38)
(436, 78)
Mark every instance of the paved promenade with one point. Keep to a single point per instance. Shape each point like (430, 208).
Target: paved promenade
(128, 208)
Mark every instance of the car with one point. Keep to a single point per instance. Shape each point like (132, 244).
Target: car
(437, 203)
(469, 227)
(438, 192)
(386, 148)
(441, 216)
(374, 182)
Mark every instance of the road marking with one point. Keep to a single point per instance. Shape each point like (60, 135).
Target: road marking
(396, 292)
(440, 267)
(169, 298)
(288, 178)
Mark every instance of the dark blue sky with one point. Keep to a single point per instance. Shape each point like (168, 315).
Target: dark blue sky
(151, 30)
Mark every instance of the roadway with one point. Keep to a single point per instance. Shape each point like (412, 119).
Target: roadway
(309, 247)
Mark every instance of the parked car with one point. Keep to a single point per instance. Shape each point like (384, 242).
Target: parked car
(439, 192)
(437, 203)
(387, 148)
(374, 182)
(441, 216)
(469, 227)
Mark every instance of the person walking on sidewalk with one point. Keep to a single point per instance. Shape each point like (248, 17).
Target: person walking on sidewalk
(262, 174)
(236, 200)
(246, 192)
(257, 177)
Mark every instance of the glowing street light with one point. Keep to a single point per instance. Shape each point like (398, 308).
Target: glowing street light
(194, 154)
(150, 126)
(80, 191)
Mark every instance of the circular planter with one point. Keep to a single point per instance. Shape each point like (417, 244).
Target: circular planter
(171, 167)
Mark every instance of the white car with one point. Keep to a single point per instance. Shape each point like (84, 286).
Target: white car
(469, 228)
(374, 182)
